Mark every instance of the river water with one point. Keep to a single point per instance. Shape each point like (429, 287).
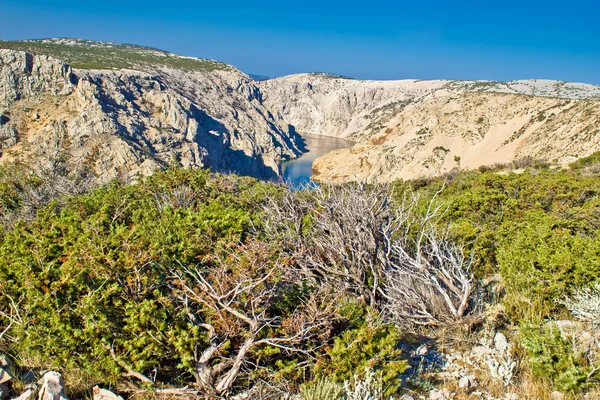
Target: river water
(298, 172)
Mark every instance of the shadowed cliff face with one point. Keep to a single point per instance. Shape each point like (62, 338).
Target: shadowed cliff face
(408, 129)
(121, 123)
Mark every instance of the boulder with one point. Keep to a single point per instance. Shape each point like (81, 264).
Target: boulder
(103, 394)
(5, 375)
(53, 387)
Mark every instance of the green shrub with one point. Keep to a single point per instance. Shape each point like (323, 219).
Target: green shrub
(366, 348)
(552, 357)
(538, 229)
(91, 279)
(543, 258)
(541, 116)
(586, 162)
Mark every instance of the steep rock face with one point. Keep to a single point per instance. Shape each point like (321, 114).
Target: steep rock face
(341, 107)
(409, 129)
(124, 122)
(22, 75)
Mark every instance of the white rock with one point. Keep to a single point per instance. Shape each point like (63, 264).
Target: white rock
(5, 361)
(53, 387)
(443, 394)
(435, 395)
(480, 351)
(467, 382)
(557, 395)
(5, 376)
(104, 394)
(567, 328)
(501, 343)
(421, 350)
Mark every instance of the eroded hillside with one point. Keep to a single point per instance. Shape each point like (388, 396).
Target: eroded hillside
(408, 129)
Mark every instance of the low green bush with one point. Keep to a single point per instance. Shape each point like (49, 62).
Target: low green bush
(87, 285)
(554, 358)
(538, 229)
(541, 259)
(374, 348)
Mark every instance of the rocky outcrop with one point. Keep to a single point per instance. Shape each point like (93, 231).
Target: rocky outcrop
(121, 123)
(408, 129)
(341, 107)
(53, 387)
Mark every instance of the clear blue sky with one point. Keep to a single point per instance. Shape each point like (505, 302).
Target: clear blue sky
(369, 39)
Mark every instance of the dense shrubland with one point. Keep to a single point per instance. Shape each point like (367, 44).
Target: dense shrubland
(229, 285)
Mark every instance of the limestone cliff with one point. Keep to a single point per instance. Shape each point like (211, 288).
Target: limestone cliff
(407, 129)
(145, 110)
(121, 110)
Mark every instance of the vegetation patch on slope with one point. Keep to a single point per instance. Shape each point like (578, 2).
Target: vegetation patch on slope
(87, 54)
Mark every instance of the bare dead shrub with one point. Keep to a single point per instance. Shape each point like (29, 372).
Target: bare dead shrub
(429, 282)
(338, 234)
(385, 252)
(585, 305)
(182, 197)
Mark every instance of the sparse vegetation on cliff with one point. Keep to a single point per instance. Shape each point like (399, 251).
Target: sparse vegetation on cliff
(87, 54)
